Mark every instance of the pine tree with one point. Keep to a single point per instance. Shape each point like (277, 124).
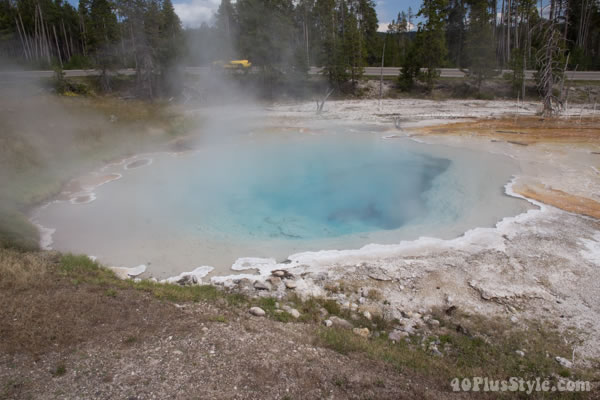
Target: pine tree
(480, 43)
(430, 41)
(102, 34)
(227, 29)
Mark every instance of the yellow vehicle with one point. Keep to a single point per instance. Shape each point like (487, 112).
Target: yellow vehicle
(233, 64)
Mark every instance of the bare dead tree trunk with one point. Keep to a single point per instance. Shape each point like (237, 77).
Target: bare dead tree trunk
(322, 102)
(381, 72)
(25, 53)
(508, 25)
(57, 47)
(64, 31)
(548, 57)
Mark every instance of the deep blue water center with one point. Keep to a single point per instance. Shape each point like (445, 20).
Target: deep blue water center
(307, 188)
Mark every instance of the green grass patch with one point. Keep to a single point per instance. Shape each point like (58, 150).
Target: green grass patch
(81, 269)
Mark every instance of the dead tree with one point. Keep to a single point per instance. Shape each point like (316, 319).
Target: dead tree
(550, 72)
(321, 103)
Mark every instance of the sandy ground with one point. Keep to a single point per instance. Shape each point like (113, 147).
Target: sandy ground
(544, 264)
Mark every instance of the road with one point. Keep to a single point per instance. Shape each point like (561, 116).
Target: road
(369, 71)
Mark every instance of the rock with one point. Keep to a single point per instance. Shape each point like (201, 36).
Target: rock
(294, 313)
(514, 319)
(397, 335)
(520, 352)
(278, 273)
(354, 306)
(373, 309)
(188, 280)
(363, 332)
(434, 323)
(245, 284)
(564, 362)
(362, 300)
(434, 350)
(416, 315)
(258, 285)
(274, 280)
(379, 276)
(367, 315)
(327, 323)
(408, 329)
(290, 284)
(259, 312)
(340, 323)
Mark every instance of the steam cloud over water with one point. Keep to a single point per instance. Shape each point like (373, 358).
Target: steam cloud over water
(269, 194)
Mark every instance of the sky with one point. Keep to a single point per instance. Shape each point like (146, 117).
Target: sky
(194, 12)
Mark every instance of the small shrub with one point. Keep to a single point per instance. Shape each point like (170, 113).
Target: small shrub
(130, 340)
(60, 370)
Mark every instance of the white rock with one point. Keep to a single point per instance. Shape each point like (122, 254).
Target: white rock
(295, 313)
(397, 335)
(290, 284)
(367, 315)
(340, 323)
(364, 332)
(514, 319)
(259, 312)
(564, 362)
(434, 322)
(258, 285)
(327, 323)
(520, 353)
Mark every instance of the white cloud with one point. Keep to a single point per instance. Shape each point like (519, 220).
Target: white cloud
(195, 12)
(383, 27)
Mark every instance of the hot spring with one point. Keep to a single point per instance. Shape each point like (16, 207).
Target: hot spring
(278, 193)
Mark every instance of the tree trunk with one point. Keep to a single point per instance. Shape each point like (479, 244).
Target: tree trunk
(57, 47)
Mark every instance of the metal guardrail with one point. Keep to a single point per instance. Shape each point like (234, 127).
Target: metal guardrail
(369, 71)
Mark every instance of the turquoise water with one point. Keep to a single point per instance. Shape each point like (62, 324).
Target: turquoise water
(302, 188)
(271, 195)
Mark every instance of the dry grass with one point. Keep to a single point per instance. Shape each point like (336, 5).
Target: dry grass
(50, 301)
(19, 271)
